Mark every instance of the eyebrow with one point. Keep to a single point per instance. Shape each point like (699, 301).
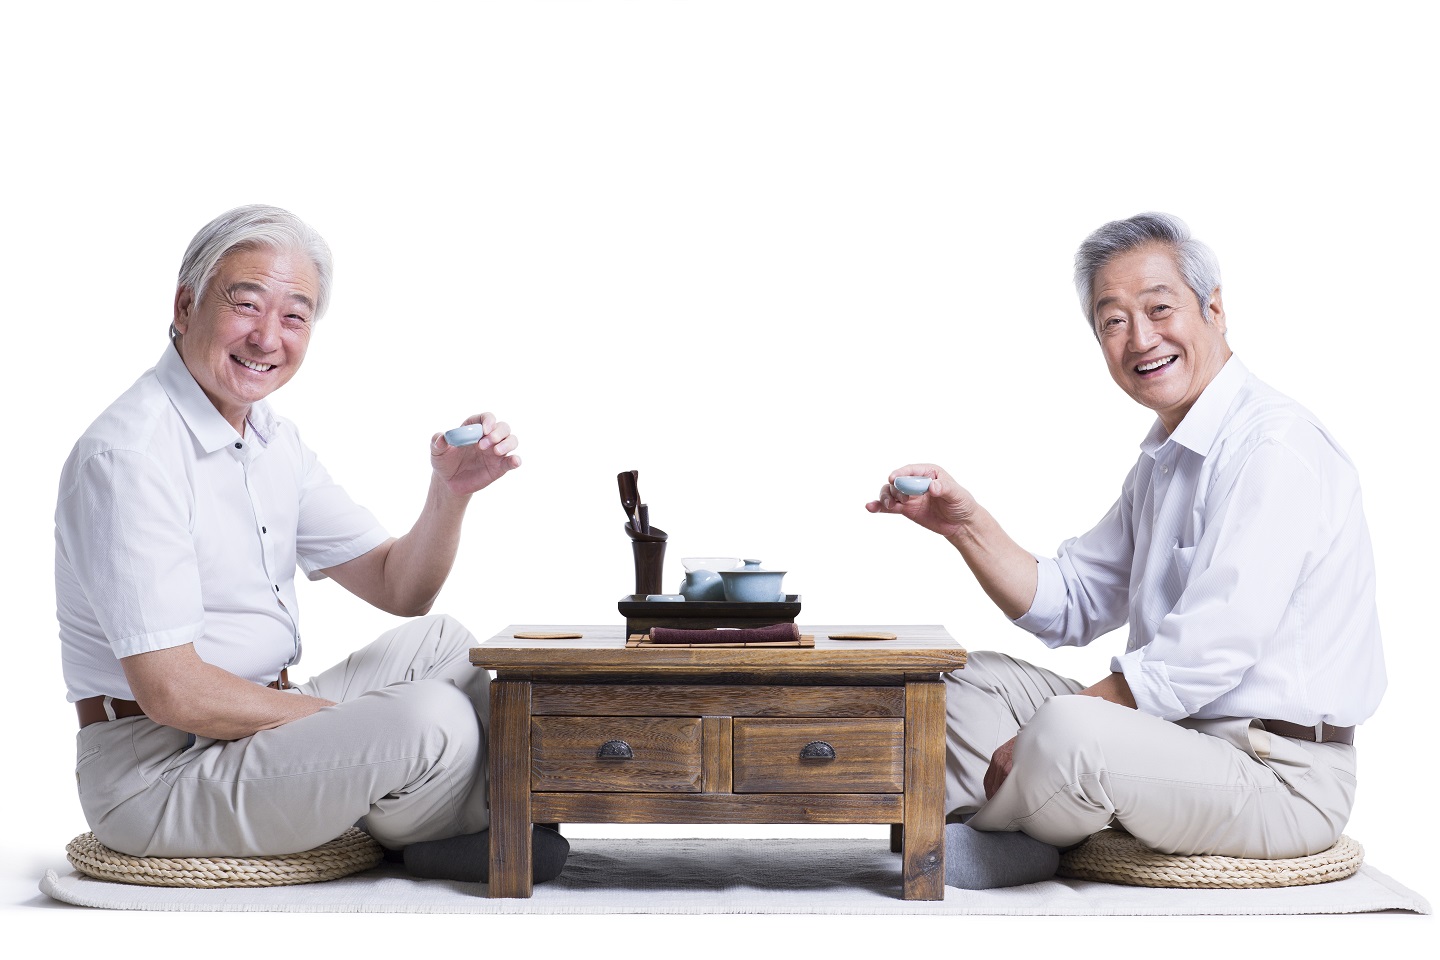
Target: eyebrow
(1158, 288)
(246, 286)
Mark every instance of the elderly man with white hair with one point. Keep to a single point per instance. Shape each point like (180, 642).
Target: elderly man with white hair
(183, 512)
(1239, 556)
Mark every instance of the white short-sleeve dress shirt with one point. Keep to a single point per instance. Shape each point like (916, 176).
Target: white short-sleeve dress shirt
(171, 528)
(1239, 555)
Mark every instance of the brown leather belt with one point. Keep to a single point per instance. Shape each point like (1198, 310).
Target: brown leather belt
(92, 709)
(1327, 733)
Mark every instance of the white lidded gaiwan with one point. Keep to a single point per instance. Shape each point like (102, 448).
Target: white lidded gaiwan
(751, 584)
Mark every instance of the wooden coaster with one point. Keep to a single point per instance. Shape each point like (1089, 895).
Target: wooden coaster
(548, 636)
(863, 636)
(643, 640)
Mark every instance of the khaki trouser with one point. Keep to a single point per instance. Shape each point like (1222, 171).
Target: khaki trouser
(403, 749)
(1223, 787)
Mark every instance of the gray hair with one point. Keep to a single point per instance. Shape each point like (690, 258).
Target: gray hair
(1195, 261)
(256, 225)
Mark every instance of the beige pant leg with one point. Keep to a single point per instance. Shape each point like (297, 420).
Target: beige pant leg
(1205, 787)
(404, 749)
(428, 647)
(985, 705)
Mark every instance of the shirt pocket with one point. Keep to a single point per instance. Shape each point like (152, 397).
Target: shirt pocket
(1177, 573)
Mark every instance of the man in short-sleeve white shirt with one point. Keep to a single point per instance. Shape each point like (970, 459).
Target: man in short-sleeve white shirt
(1239, 557)
(182, 514)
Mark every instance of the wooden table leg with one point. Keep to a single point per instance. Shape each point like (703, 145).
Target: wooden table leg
(511, 873)
(924, 827)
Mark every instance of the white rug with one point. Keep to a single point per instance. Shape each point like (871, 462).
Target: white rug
(813, 876)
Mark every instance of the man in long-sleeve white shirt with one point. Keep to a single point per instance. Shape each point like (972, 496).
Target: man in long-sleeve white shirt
(1239, 556)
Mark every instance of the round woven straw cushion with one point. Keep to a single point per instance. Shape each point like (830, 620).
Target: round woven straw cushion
(1115, 856)
(352, 851)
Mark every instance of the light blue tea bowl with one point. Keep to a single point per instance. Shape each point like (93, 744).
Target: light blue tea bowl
(464, 435)
(912, 486)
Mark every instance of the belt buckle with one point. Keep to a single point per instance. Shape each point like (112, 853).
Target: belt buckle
(1319, 731)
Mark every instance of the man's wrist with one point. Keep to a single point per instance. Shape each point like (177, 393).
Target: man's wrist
(966, 534)
(444, 497)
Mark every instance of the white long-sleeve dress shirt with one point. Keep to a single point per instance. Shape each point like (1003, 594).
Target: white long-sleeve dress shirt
(1239, 555)
(171, 528)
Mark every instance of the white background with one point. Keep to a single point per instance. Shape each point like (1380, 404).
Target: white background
(761, 252)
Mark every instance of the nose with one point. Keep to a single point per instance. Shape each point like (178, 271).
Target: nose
(1143, 335)
(265, 334)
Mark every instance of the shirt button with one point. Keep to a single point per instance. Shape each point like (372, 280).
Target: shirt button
(239, 445)
(263, 530)
(277, 587)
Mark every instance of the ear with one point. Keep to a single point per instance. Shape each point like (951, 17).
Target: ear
(184, 305)
(1215, 312)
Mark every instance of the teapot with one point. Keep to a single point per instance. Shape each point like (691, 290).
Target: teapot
(702, 582)
(702, 585)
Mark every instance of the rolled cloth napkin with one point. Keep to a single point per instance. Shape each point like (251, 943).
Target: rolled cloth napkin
(775, 633)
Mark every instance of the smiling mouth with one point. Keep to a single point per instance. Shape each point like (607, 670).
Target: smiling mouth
(1153, 365)
(252, 365)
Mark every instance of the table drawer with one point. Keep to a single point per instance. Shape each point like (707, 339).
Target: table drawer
(615, 754)
(819, 756)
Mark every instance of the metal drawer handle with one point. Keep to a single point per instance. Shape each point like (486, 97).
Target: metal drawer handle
(817, 750)
(616, 750)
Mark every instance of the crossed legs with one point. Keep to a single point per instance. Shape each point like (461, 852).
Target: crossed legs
(1223, 787)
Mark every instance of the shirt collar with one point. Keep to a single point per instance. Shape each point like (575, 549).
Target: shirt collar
(211, 430)
(1202, 423)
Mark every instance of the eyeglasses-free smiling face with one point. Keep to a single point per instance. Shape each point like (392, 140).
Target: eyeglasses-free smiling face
(248, 336)
(1161, 348)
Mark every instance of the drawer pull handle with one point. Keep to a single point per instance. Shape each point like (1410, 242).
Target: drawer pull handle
(817, 750)
(616, 750)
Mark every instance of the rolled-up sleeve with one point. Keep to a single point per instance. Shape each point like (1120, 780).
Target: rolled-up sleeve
(1256, 548)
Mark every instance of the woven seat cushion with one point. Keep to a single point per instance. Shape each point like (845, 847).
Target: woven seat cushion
(352, 851)
(1114, 856)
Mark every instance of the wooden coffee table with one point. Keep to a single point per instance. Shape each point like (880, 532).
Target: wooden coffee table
(847, 731)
